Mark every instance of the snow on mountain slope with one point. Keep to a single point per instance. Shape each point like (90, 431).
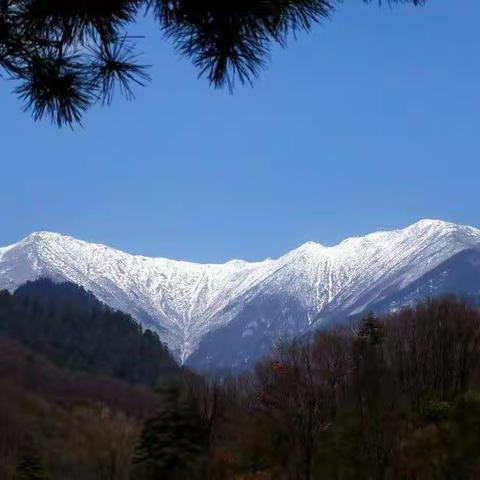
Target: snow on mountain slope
(317, 285)
(176, 298)
(186, 301)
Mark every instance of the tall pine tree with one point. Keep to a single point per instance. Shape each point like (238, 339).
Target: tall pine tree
(174, 441)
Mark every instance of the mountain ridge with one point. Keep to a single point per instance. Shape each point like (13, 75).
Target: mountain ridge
(185, 301)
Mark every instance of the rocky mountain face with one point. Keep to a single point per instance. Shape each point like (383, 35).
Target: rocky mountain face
(228, 315)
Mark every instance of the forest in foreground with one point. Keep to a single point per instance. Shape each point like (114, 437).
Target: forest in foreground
(87, 394)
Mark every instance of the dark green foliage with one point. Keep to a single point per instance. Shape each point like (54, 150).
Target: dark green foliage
(69, 55)
(232, 39)
(30, 467)
(437, 411)
(72, 328)
(371, 330)
(173, 442)
(46, 293)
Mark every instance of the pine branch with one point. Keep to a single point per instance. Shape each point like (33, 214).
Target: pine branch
(69, 55)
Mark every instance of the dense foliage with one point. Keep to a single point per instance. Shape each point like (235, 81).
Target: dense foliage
(60, 424)
(68, 55)
(173, 443)
(386, 399)
(76, 380)
(72, 328)
(394, 398)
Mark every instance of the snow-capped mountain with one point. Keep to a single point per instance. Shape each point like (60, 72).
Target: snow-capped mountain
(229, 314)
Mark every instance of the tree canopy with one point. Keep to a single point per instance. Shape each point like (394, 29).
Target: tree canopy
(74, 330)
(66, 56)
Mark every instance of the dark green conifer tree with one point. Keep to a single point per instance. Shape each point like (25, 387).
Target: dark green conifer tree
(30, 467)
(174, 441)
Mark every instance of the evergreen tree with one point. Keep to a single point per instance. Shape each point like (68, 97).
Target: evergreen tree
(173, 442)
(371, 330)
(29, 467)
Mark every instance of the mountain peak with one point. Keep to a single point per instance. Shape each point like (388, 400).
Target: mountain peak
(425, 222)
(441, 227)
(186, 301)
(44, 236)
(310, 246)
(429, 223)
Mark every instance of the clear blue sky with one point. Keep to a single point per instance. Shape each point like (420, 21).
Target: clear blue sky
(371, 122)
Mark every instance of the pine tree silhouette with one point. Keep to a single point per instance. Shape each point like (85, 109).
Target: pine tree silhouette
(69, 55)
(173, 441)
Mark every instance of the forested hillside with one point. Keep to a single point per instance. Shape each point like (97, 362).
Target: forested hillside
(73, 329)
(64, 424)
(388, 398)
(77, 380)
(391, 398)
